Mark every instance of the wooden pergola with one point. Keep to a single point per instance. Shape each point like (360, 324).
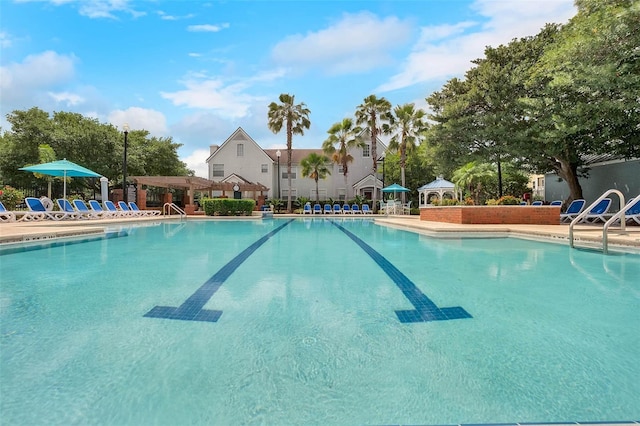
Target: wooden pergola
(194, 183)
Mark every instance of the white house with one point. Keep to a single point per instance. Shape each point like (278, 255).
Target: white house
(240, 159)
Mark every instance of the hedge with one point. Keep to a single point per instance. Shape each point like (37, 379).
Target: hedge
(227, 207)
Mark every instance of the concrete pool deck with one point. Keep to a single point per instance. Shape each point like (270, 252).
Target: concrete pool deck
(588, 235)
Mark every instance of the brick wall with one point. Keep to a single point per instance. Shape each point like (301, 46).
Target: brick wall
(535, 215)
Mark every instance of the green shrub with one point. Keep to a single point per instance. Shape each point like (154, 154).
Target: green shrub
(11, 197)
(227, 207)
(507, 200)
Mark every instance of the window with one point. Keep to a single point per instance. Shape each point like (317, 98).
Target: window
(322, 194)
(240, 149)
(285, 193)
(217, 170)
(294, 171)
(264, 168)
(340, 169)
(365, 151)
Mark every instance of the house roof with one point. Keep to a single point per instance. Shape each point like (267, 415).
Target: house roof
(296, 154)
(194, 182)
(439, 183)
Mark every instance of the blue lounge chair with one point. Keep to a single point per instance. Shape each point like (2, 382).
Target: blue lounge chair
(19, 215)
(116, 212)
(6, 215)
(346, 209)
(134, 208)
(81, 206)
(317, 209)
(306, 209)
(632, 211)
(66, 207)
(125, 208)
(599, 212)
(366, 209)
(327, 209)
(36, 205)
(355, 209)
(537, 203)
(337, 209)
(574, 209)
(97, 208)
(556, 203)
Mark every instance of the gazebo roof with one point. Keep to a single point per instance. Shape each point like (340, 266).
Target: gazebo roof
(439, 183)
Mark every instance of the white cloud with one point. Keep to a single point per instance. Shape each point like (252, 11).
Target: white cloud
(140, 119)
(70, 99)
(208, 28)
(434, 58)
(357, 43)
(5, 40)
(197, 161)
(230, 100)
(20, 83)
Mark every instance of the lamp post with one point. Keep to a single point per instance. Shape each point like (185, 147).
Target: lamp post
(124, 164)
(278, 154)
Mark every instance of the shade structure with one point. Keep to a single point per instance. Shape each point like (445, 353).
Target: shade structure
(61, 168)
(395, 188)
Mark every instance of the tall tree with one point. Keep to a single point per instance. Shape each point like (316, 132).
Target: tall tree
(343, 137)
(407, 127)
(295, 118)
(473, 176)
(584, 90)
(316, 167)
(374, 113)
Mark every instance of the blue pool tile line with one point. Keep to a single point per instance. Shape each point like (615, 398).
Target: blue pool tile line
(191, 309)
(632, 422)
(425, 310)
(58, 241)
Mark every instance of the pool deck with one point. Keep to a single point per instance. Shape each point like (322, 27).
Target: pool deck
(587, 235)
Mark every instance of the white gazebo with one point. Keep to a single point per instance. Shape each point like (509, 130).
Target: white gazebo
(440, 186)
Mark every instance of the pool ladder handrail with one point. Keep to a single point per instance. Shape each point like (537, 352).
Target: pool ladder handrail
(585, 212)
(168, 207)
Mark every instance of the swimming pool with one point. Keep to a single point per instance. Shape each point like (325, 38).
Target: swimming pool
(315, 321)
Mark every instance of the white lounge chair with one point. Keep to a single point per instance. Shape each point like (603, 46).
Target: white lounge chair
(116, 212)
(81, 206)
(599, 212)
(19, 215)
(134, 208)
(96, 207)
(632, 211)
(574, 209)
(35, 205)
(366, 209)
(66, 207)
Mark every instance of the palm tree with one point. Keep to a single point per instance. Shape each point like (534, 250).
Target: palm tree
(408, 126)
(316, 167)
(296, 119)
(472, 175)
(343, 136)
(374, 112)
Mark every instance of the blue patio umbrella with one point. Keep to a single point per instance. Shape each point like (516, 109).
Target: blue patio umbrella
(61, 168)
(395, 188)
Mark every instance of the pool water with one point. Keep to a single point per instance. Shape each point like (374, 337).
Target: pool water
(315, 321)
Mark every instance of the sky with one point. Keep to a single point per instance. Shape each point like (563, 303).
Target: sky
(197, 70)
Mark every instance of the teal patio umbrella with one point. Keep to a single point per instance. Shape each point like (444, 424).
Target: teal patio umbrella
(61, 168)
(395, 188)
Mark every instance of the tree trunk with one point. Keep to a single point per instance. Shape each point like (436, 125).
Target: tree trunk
(499, 178)
(403, 160)
(289, 148)
(568, 172)
(374, 155)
